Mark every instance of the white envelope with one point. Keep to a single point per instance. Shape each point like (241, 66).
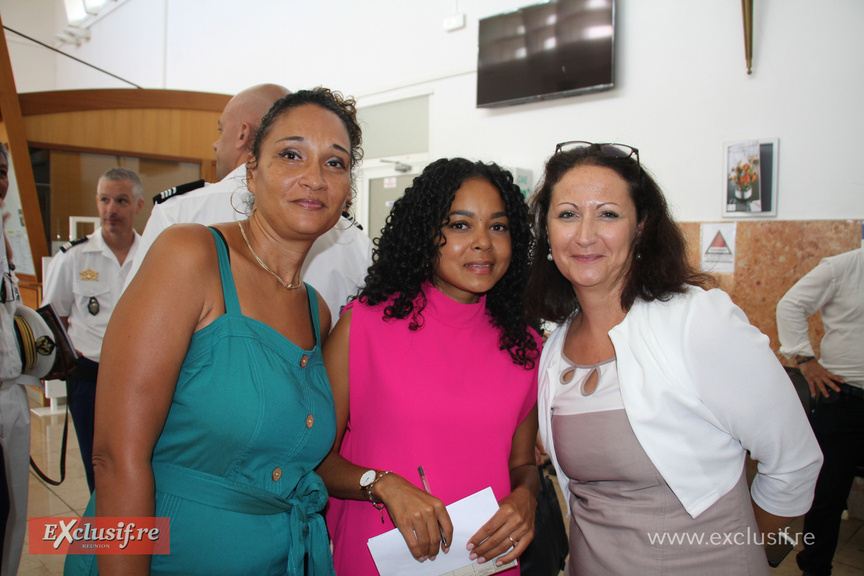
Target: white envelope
(393, 558)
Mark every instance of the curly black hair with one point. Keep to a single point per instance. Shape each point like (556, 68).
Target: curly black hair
(660, 269)
(407, 251)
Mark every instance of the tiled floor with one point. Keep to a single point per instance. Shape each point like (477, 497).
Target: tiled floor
(70, 499)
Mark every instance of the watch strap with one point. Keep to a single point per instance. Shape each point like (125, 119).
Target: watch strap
(368, 489)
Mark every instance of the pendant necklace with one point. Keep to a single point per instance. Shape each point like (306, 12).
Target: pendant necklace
(284, 284)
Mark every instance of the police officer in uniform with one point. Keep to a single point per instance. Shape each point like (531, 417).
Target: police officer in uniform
(336, 265)
(14, 407)
(84, 281)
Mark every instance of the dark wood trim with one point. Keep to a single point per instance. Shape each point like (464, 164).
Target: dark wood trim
(35, 103)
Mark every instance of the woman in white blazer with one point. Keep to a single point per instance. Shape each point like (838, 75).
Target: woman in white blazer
(652, 390)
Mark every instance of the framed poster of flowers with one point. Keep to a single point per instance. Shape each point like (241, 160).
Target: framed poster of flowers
(750, 178)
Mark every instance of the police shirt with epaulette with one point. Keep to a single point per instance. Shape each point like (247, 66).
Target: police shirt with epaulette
(72, 243)
(336, 264)
(177, 191)
(83, 281)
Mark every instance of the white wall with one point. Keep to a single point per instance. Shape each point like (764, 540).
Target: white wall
(35, 67)
(682, 88)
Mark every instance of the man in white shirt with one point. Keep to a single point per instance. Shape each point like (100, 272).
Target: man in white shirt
(335, 266)
(836, 289)
(84, 282)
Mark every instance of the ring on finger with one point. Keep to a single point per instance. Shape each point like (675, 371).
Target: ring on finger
(514, 542)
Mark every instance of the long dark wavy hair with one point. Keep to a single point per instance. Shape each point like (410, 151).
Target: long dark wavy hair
(658, 266)
(408, 249)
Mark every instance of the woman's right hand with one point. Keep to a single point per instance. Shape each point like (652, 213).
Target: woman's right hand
(416, 514)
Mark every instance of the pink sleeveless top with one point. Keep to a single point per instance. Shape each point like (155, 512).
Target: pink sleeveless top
(443, 397)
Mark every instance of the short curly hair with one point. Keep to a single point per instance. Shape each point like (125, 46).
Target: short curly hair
(661, 268)
(344, 108)
(408, 249)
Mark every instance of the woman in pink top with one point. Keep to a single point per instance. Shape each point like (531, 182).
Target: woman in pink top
(434, 365)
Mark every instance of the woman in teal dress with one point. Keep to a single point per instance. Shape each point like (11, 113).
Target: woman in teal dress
(213, 406)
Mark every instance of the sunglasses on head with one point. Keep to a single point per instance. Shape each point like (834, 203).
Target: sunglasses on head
(609, 148)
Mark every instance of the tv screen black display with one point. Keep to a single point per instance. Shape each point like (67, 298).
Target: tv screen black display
(546, 51)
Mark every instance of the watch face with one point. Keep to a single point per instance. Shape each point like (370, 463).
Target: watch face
(367, 478)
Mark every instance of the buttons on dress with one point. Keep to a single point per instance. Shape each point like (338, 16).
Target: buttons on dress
(277, 474)
(304, 360)
(310, 420)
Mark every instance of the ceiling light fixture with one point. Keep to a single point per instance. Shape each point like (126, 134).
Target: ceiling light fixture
(82, 14)
(399, 166)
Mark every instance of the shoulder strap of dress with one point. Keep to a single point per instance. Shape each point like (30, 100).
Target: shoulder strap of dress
(229, 292)
(312, 295)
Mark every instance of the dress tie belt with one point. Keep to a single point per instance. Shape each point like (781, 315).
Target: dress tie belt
(307, 529)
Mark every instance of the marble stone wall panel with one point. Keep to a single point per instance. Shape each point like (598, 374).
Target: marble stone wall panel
(770, 256)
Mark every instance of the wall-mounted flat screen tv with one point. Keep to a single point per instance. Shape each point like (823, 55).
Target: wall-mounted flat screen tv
(552, 50)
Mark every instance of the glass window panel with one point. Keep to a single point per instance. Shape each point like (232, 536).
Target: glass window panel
(395, 128)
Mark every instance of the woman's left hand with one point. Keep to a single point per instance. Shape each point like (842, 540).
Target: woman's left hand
(511, 528)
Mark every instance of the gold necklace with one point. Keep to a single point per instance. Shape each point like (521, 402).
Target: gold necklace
(261, 262)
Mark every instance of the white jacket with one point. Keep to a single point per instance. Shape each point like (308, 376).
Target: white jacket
(701, 387)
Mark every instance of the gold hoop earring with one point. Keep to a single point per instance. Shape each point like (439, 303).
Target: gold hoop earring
(349, 218)
(233, 207)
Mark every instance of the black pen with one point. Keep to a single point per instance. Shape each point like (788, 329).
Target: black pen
(426, 488)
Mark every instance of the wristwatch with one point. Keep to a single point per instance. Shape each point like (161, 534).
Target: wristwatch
(803, 359)
(367, 479)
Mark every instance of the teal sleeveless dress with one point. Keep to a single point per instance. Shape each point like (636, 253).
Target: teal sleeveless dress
(252, 416)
